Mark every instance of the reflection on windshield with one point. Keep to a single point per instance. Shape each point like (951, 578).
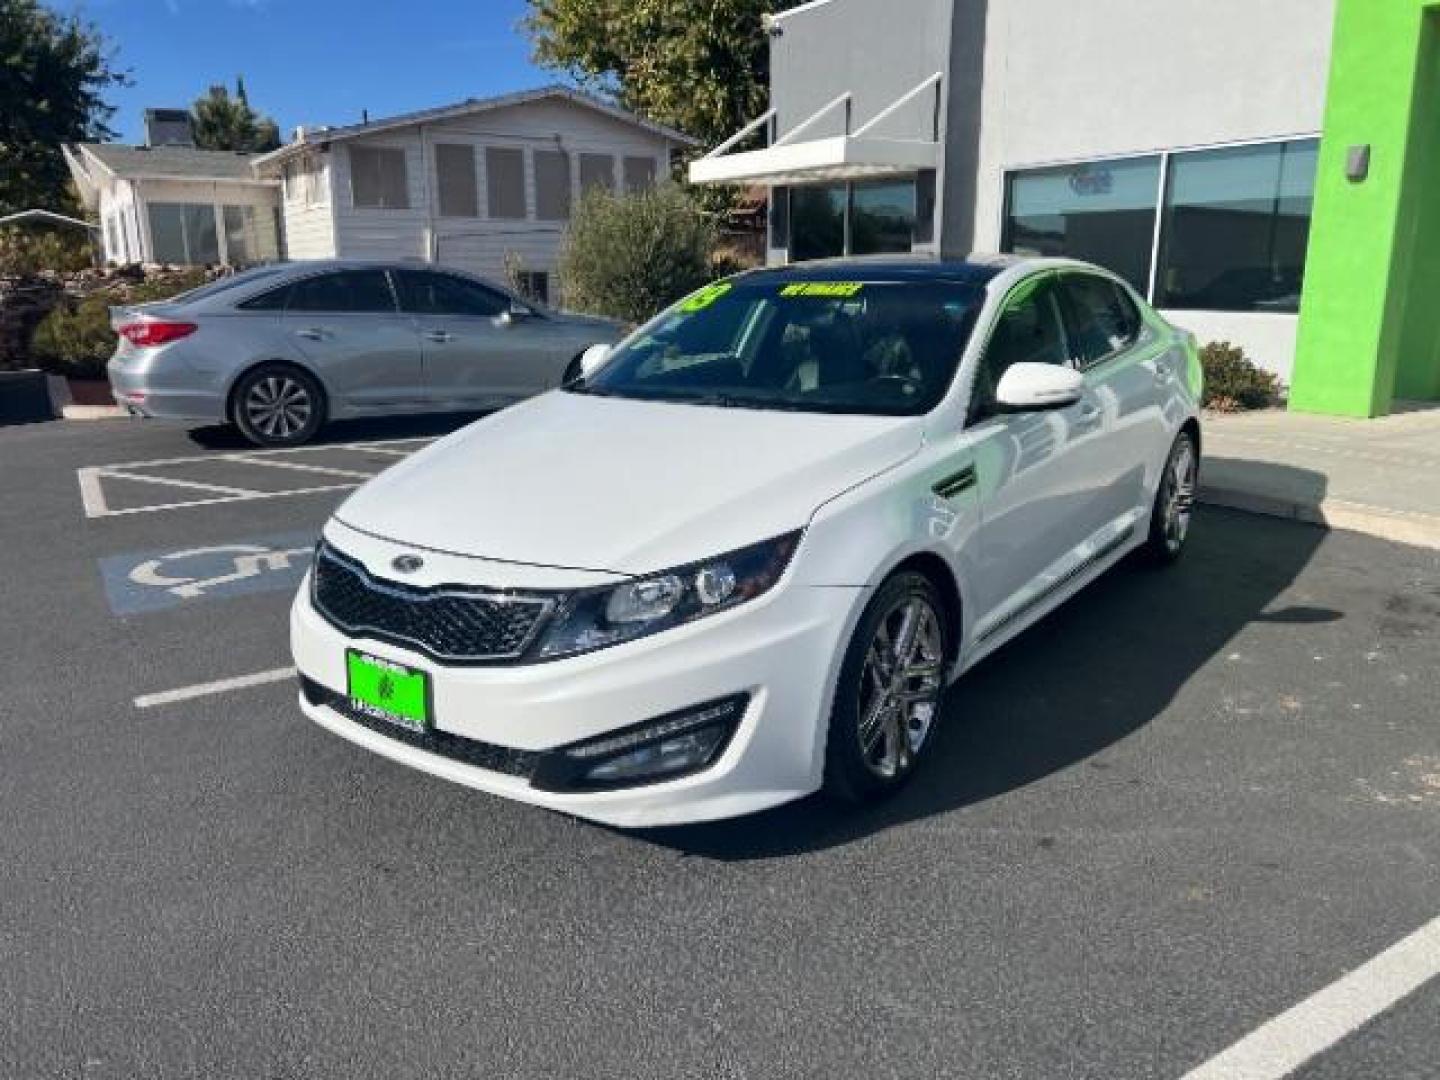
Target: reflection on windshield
(820, 346)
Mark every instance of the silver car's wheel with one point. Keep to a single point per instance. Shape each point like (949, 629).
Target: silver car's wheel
(900, 687)
(278, 406)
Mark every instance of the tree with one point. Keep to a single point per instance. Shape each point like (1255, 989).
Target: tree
(703, 68)
(53, 78)
(222, 122)
(628, 256)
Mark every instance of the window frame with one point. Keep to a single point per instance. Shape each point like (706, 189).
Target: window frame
(978, 411)
(507, 301)
(505, 152)
(1167, 156)
(1115, 282)
(456, 152)
(355, 203)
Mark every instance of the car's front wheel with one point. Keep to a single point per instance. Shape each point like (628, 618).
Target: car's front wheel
(278, 405)
(1174, 501)
(888, 697)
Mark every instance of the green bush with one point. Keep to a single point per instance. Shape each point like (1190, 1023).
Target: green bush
(629, 256)
(75, 339)
(1233, 382)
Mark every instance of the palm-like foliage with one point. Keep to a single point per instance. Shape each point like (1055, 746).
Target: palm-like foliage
(222, 122)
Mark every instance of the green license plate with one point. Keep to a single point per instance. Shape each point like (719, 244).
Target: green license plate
(388, 691)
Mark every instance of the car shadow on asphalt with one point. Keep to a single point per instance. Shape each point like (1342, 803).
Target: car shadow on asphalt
(378, 429)
(1086, 677)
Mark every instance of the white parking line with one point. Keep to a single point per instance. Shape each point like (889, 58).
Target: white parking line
(92, 477)
(1279, 1047)
(219, 686)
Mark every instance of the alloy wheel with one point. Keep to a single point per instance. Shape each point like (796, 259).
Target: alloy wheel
(278, 406)
(1179, 496)
(900, 687)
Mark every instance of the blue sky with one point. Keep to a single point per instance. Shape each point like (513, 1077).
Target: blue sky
(312, 61)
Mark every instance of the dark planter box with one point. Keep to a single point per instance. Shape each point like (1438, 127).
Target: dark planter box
(25, 397)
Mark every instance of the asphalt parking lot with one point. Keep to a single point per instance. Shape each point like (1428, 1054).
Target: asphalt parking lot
(1167, 816)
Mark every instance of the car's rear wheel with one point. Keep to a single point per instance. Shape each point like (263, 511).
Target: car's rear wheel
(278, 405)
(887, 700)
(1174, 501)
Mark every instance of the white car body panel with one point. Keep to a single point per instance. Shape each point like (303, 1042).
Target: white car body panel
(571, 491)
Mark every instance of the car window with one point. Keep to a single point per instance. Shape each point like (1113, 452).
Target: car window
(270, 300)
(234, 281)
(1026, 331)
(426, 293)
(1100, 319)
(350, 291)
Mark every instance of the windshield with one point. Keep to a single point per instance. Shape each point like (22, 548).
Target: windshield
(879, 347)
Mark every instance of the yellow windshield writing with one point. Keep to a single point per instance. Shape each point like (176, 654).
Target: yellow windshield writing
(699, 301)
(827, 289)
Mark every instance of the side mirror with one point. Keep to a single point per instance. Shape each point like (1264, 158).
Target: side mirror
(1037, 387)
(593, 359)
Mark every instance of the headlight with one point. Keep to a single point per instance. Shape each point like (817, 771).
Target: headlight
(596, 618)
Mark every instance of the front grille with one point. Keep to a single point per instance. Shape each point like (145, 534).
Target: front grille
(446, 623)
(482, 755)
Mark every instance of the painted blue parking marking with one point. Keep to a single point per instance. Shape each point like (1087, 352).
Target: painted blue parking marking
(138, 582)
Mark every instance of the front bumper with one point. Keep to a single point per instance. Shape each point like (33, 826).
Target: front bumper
(782, 650)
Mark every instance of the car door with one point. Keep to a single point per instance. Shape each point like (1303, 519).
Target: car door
(481, 347)
(347, 324)
(1108, 346)
(1036, 500)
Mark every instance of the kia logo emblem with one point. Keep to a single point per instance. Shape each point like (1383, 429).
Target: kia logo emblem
(407, 564)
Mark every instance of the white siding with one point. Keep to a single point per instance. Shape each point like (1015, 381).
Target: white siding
(309, 229)
(478, 244)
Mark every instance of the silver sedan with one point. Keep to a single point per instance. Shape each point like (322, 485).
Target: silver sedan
(279, 350)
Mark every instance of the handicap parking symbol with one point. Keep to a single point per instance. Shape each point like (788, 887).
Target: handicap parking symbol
(146, 581)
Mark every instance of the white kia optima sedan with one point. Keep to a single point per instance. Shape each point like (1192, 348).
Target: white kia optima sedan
(739, 559)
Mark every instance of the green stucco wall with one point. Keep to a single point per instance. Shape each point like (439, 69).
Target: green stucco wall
(1370, 314)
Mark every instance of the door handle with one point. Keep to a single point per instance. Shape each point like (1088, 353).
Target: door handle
(439, 335)
(313, 333)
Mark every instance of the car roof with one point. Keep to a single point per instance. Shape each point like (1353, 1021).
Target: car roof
(975, 270)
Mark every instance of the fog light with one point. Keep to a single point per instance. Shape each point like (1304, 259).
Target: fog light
(659, 749)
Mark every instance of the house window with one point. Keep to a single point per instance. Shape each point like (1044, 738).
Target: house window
(301, 180)
(112, 246)
(534, 285)
(249, 235)
(597, 170)
(183, 233)
(455, 176)
(1236, 227)
(505, 182)
(639, 173)
(552, 185)
(377, 178)
(1102, 211)
(882, 217)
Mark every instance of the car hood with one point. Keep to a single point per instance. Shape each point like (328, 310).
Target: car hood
(629, 487)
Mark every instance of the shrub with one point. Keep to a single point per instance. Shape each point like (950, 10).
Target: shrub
(629, 256)
(75, 339)
(1233, 382)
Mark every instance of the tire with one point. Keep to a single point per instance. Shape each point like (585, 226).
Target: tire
(877, 739)
(573, 371)
(1174, 500)
(278, 405)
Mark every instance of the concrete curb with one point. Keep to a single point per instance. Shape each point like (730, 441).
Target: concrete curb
(1400, 526)
(91, 412)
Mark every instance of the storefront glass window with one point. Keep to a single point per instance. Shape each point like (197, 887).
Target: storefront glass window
(1103, 212)
(817, 221)
(882, 217)
(1236, 227)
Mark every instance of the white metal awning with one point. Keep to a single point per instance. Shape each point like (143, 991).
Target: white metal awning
(853, 155)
